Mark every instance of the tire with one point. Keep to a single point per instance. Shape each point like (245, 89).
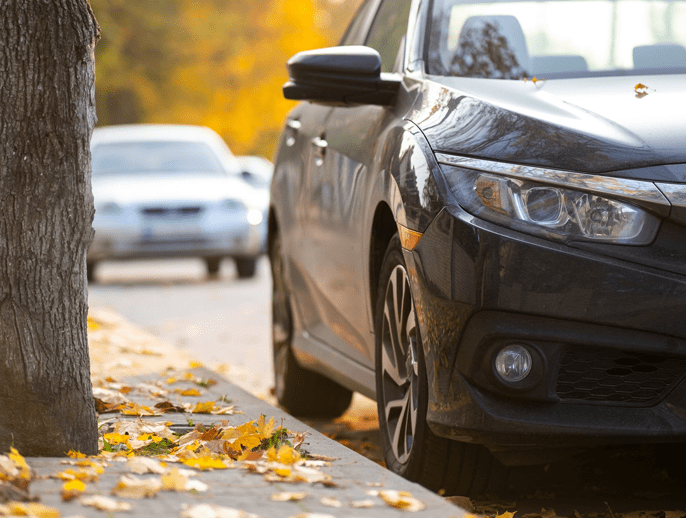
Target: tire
(246, 267)
(90, 270)
(410, 447)
(213, 263)
(301, 392)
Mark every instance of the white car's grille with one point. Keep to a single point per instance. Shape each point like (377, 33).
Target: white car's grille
(171, 212)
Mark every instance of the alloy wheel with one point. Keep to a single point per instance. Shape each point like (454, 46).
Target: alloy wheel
(399, 364)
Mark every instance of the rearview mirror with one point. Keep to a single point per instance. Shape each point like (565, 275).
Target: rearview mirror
(340, 76)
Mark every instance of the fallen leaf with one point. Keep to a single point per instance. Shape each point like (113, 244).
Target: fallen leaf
(33, 510)
(168, 406)
(287, 497)
(143, 465)
(362, 504)
(203, 408)
(134, 487)
(72, 489)
(188, 392)
(76, 454)
(177, 480)
(104, 503)
(205, 463)
(399, 499)
(331, 502)
(285, 454)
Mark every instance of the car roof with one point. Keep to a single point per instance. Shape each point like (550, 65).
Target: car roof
(150, 132)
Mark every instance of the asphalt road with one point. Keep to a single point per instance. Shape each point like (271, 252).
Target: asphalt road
(220, 321)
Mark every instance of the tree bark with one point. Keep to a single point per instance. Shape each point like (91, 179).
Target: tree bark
(47, 114)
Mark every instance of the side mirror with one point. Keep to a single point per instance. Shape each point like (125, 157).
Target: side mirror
(340, 76)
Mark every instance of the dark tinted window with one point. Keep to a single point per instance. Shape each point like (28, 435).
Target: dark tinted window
(152, 157)
(548, 39)
(388, 29)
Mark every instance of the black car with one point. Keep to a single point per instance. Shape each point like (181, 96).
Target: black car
(479, 220)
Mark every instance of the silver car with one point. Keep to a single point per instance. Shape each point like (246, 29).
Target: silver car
(173, 191)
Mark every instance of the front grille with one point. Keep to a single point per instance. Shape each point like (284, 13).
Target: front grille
(612, 375)
(171, 211)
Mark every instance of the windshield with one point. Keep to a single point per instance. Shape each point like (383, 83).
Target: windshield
(554, 39)
(154, 157)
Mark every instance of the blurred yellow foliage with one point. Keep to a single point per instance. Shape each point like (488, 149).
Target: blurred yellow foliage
(220, 63)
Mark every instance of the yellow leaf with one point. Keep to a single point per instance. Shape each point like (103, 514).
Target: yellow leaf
(205, 463)
(246, 441)
(283, 472)
(188, 392)
(72, 489)
(287, 455)
(171, 380)
(93, 325)
(264, 430)
(401, 500)
(140, 410)
(195, 364)
(76, 454)
(32, 509)
(203, 408)
(116, 438)
(150, 437)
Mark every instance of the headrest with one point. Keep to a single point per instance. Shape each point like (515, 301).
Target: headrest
(493, 47)
(661, 55)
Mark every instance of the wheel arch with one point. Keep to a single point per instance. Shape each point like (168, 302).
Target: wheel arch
(272, 229)
(384, 227)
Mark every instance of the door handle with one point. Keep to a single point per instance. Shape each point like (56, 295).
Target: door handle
(292, 127)
(320, 146)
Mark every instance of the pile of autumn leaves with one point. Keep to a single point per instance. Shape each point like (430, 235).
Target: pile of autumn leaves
(170, 460)
(155, 448)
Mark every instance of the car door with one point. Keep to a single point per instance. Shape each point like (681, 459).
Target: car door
(337, 237)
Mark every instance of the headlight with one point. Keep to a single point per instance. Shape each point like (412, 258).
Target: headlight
(553, 211)
(254, 217)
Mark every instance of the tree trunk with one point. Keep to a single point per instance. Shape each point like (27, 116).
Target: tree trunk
(47, 114)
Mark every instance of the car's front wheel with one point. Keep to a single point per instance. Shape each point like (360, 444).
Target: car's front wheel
(300, 391)
(410, 447)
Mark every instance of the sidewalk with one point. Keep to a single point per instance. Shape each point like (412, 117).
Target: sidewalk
(329, 479)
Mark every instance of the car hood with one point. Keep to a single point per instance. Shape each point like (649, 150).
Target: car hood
(175, 187)
(592, 125)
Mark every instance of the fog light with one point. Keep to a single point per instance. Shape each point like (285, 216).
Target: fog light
(513, 363)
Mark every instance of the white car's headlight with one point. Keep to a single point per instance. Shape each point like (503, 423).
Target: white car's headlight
(554, 204)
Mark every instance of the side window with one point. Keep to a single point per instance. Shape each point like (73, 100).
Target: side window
(354, 34)
(388, 31)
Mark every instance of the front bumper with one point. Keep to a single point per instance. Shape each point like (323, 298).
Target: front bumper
(587, 319)
(124, 242)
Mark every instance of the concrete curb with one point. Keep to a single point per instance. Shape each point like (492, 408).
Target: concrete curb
(353, 474)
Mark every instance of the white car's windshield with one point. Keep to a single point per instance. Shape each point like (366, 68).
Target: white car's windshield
(560, 38)
(154, 157)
